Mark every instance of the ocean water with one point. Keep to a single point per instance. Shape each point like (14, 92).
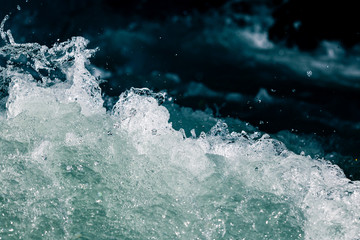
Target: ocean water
(147, 168)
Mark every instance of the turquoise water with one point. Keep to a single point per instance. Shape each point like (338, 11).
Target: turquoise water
(69, 169)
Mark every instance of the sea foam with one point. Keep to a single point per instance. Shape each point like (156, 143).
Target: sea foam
(71, 170)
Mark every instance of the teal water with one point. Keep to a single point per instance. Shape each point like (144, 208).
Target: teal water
(71, 170)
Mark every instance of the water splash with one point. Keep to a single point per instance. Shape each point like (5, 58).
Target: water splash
(32, 62)
(70, 170)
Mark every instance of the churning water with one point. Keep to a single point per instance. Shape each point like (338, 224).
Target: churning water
(69, 169)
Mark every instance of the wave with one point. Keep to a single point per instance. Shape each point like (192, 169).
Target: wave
(70, 169)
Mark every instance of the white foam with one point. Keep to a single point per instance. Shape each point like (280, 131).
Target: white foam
(69, 169)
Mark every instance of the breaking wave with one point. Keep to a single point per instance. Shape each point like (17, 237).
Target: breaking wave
(69, 169)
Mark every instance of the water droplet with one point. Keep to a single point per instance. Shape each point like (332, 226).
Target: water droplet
(297, 25)
(309, 73)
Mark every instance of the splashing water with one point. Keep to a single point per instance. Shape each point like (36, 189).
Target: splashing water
(70, 170)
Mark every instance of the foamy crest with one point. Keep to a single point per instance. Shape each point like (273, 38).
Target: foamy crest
(70, 170)
(32, 59)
